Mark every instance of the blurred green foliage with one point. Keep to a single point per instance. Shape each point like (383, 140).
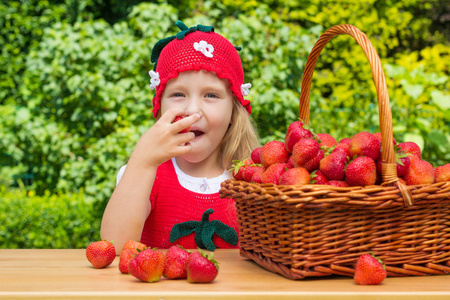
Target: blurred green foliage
(75, 96)
(47, 221)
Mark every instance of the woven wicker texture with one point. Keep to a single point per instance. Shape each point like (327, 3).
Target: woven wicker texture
(316, 230)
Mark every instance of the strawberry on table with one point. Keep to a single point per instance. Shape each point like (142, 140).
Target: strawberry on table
(369, 270)
(100, 254)
(148, 265)
(129, 251)
(176, 260)
(201, 267)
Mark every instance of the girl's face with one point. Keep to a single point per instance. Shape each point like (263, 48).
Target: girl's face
(207, 94)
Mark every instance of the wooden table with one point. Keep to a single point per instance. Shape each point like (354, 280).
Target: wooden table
(50, 274)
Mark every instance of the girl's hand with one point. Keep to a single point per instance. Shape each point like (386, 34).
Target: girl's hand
(163, 141)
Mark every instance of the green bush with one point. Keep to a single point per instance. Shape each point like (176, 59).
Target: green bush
(74, 95)
(47, 221)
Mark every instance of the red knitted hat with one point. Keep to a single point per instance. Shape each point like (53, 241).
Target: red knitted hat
(193, 49)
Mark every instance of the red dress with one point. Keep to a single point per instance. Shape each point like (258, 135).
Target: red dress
(173, 204)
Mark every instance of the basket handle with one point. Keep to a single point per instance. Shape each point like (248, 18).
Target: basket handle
(389, 166)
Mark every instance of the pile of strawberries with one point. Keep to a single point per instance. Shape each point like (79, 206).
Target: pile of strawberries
(149, 265)
(308, 158)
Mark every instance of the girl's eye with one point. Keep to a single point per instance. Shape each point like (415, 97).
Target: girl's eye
(211, 95)
(177, 95)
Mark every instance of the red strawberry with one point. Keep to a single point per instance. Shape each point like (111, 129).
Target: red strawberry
(411, 148)
(296, 131)
(378, 136)
(314, 164)
(256, 155)
(361, 171)
(273, 173)
(249, 171)
(239, 167)
(419, 172)
(365, 144)
(333, 165)
(176, 260)
(326, 140)
(129, 251)
(178, 118)
(338, 183)
(273, 152)
(256, 177)
(442, 173)
(318, 177)
(343, 145)
(403, 163)
(369, 270)
(303, 151)
(148, 265)
(201, 268)
(100, 254)
(295, 176)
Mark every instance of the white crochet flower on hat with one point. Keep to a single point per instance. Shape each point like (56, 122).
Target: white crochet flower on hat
(154, 80)
(245, 88)
(205, 48)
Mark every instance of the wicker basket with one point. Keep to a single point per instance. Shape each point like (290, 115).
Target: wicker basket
(300, 231)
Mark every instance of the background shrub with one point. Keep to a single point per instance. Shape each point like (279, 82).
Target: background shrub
(74, 84)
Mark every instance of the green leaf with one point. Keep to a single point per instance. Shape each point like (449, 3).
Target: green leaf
(440, 99)
(413, 90)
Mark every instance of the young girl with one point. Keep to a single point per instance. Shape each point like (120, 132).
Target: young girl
(174, 177)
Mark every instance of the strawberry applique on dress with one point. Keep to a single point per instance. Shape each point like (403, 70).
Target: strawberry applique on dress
(204, 231)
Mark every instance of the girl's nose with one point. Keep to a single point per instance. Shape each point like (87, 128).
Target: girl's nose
(194, 105)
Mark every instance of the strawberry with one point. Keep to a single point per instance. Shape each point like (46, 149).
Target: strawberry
(129, 251)
(239, 167)
(419, 172)
(249, 171)
(369, 270)
(176, 260)
(343, 145)
(326, 140)
(403, 163)
(296, 131)
(303, 151)
(148, 265)
(178, 118)
(295, 176)
(411, 148)
(256, 155)
(273, 173)
(361, 171)
(100, 254)
(317, 177)
(314, 164)
(442, 173)
(201, 268)
(338, 183)
(333, 165)
(365, 144)
(273, 152)
(256, 177)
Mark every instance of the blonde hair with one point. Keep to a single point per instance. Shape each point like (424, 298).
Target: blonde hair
(240, 139)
